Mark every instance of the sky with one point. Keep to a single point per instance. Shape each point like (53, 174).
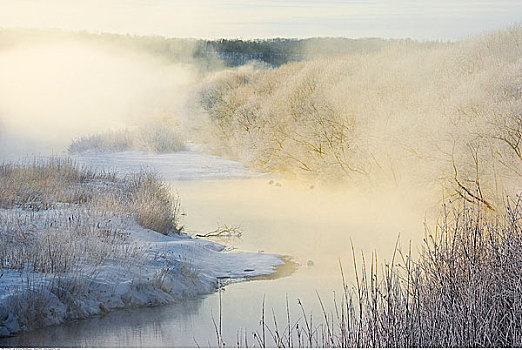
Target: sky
(417, 19)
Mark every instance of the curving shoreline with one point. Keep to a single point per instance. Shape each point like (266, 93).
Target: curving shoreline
(172, 268)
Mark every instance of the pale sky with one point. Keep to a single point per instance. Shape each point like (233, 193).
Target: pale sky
(418, 19)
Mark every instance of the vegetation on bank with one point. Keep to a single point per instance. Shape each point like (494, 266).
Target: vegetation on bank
(55, 183)
(65, 238)
(152, 138)
(445, 113)
(464, 290)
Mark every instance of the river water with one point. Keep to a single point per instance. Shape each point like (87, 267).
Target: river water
(312, 226)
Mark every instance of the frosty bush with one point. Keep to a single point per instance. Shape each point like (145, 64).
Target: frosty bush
(56, 183)
(411, 112)
(463, 290)
(154, 138)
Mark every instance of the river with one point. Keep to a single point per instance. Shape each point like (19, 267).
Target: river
(311, 225)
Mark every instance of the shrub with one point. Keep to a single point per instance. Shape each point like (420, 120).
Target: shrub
(153, 203)
(463, 290)
(411, 112)
(153, 137)
(53, 183)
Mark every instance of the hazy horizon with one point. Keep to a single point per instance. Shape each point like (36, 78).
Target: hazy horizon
(421, 20)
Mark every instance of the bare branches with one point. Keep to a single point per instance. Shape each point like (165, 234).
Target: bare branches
(223, 231)
(463, 191)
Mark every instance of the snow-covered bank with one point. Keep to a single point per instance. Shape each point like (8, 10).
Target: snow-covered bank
(183, 165)
(162, 269)
(77, 242)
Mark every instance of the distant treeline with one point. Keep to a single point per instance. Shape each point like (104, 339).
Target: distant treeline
(276, 52)
(228, 52)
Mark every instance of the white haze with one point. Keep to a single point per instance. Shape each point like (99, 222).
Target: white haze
(418, 19)
(51, 93)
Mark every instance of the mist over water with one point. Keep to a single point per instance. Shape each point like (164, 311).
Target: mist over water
(360, 148)
(313, 227)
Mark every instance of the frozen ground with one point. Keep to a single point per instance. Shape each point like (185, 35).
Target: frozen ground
(138, 268)
(183, 165)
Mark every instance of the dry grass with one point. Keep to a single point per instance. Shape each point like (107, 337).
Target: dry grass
(59, 213)
(153, 203)
(464, 290)
(45, 184)
(41, 184)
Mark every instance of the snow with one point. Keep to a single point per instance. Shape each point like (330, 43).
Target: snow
(183, 165)
(170, 268)
(167, 269)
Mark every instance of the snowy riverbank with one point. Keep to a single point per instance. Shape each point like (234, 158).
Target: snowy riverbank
(73, 242)
(190, 164)
(161, 269)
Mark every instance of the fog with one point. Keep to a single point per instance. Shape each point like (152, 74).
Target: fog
(358, 146)
(307, 222)
(388, 115)
(51, 92)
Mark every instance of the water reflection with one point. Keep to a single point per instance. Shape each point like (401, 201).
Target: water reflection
(137, 327)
